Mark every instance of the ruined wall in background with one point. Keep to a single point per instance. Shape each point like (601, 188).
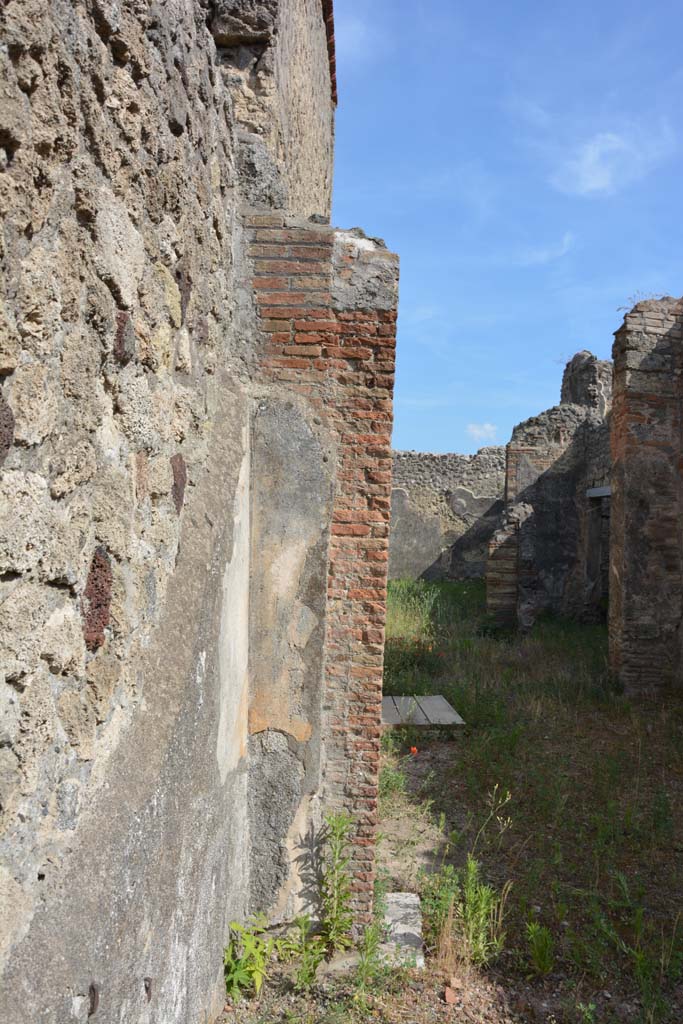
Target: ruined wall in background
(444, 509)
(550, 551)
(143, 486)
(646, 566)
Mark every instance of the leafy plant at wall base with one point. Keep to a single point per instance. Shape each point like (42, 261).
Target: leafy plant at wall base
(369, 962)
(439, 892)
(335, 886)
(541, 947)
(380, 887)
(310, 949)
(245, 961)
(392, 781)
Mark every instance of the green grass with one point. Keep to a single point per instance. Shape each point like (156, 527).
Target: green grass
(596, 783)
(411, 609)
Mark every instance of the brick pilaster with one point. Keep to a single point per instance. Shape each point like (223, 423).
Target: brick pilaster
(341, 360)
(646, 544)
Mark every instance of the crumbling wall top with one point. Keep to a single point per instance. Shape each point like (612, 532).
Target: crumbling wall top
(366, 272)
(553, 428)
(667, 304)
(587, 381)
(586, 395)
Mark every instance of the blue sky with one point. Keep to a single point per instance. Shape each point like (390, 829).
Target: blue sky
(524, 159)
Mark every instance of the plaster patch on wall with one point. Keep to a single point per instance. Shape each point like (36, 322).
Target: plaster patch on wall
(283, 582)
(300, 894)
(233, 651)
(290, 502)
(120, 257)
(286, 569)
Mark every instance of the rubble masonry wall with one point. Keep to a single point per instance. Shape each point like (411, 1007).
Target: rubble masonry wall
(192, 535)
(550, 550)
(444, 509)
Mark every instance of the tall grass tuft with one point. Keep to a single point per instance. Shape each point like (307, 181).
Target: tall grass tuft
(409, 610)
(463, 915)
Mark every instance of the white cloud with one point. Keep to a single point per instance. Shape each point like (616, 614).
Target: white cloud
(585, 158)
(539, 256)
(609, 161)
(482, 431)
(594, 166)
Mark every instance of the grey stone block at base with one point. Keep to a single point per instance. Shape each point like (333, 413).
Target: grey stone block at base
(403, 919)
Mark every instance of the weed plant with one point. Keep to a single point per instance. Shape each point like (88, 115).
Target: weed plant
(411, 611)
(246, 958)
(335, 884)
(463, 915)
(541, 948)
(250, 949)
(310, 953)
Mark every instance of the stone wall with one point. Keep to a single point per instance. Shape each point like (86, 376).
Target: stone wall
(646, 567)
(275, 56)
(550, 550)
(444, 509)
(125, 420)
(184, 687)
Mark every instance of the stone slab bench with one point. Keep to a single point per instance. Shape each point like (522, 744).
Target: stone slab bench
(436, 710)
